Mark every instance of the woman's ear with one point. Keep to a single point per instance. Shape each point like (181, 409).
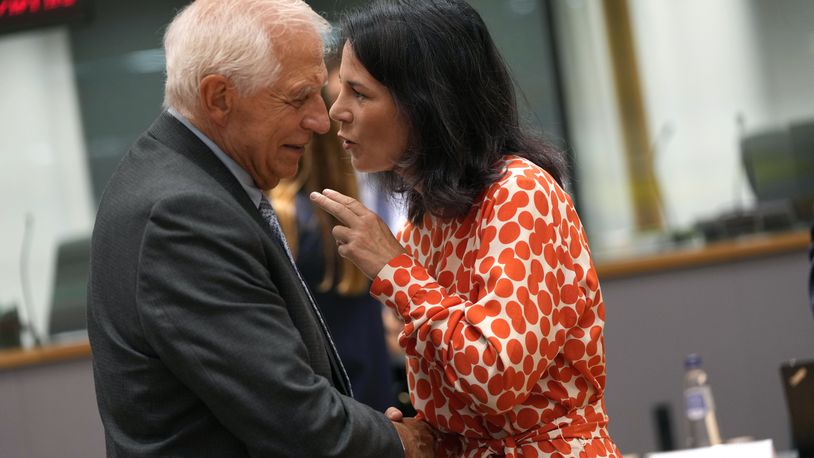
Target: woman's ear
(216, 96)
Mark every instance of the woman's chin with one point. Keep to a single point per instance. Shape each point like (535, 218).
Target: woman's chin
(358, 165)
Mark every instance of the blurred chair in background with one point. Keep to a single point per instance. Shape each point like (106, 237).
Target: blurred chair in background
(10, 328)
(779, 166)
(67, 319)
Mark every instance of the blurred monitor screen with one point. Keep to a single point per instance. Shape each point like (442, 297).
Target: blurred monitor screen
(17, 15)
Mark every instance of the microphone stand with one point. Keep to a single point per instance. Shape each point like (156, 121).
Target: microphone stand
(25, 283)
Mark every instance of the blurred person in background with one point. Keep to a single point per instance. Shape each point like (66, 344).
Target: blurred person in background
(339, 288)
(492, 276)
(392, 213)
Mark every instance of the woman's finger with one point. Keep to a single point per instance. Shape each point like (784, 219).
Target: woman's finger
(337, 209)
(342, 234)
(352, 204)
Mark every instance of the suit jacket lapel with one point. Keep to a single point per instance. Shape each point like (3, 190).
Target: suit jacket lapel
(172, 133)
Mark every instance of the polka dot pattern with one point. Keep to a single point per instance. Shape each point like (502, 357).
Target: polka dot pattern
(503, 323)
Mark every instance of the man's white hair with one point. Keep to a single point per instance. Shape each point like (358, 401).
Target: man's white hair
(233, 38)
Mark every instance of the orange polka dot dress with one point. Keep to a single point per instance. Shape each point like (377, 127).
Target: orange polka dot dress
(503, 323)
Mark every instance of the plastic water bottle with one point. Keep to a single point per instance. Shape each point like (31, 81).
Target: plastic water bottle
(699, 406)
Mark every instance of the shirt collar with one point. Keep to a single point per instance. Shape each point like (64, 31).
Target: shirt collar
(242, 176)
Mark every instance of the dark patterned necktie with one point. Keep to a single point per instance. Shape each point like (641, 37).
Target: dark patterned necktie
(267, 211)
(271, 218)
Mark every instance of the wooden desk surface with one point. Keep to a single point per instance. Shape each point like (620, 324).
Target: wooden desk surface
(715, 253)
(735, 250)
(11, 359)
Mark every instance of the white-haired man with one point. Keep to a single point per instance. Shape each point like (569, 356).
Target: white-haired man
(205, 340)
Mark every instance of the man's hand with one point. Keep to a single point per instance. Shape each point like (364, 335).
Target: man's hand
(393, 414)
(417, 436)
(362, 237)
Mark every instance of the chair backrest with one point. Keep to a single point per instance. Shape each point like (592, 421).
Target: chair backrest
(769, 164)
(69, 299)
(798, 385)
(802, 145)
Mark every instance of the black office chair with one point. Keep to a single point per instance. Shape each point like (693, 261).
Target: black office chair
(69, 299)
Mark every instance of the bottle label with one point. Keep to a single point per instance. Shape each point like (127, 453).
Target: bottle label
(697, 402)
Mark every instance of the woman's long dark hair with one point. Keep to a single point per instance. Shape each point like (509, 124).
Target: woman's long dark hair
(442, 68)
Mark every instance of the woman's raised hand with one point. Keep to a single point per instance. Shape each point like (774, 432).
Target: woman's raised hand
(362, 237)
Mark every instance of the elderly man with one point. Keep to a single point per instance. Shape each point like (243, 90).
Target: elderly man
(205, 341)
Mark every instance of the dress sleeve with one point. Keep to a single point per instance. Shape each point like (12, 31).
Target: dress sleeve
(529, 268)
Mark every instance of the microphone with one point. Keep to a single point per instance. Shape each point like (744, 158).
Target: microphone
(740, 121)
(24, 280)
(656, 150)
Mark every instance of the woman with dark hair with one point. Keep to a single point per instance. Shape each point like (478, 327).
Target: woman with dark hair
(492, 275)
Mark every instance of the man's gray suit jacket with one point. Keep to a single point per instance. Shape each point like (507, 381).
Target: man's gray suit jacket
(204, 342)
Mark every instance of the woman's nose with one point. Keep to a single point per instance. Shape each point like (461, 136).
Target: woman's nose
(339, 111)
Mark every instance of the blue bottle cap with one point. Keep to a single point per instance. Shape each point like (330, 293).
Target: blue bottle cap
(693, 361)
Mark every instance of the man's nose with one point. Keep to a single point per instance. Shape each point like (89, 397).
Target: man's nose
(317, 118)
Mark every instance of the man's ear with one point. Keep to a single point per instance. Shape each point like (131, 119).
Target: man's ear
(216, 96)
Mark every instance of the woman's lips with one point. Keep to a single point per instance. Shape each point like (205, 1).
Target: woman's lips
(346, 144)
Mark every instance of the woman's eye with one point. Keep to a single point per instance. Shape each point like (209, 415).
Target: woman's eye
(358, 94)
